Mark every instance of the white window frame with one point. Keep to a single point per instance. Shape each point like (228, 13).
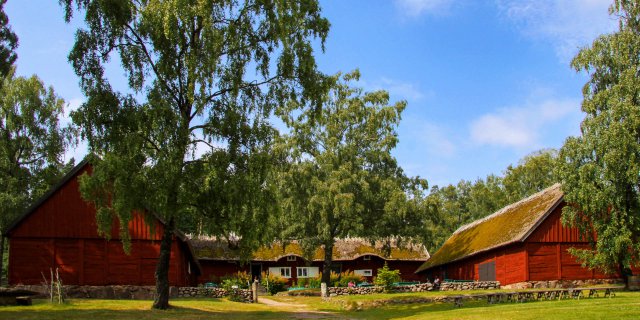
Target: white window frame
(366, 257)
(285, 272)
(291, 258)
(302, 272)
(364, 272)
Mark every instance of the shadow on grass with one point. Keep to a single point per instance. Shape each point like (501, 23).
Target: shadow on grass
(209, 310)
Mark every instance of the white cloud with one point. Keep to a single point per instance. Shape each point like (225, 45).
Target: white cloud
(415, 8)
(397, 89)
(522, 127)
(566, 24)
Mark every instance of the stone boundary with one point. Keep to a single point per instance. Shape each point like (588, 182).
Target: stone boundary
(136, 292)
(475, 285)
(102, 292)
(244, 295)
(562, 284)
(422, 287)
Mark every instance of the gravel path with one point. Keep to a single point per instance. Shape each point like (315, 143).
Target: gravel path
(299, 311)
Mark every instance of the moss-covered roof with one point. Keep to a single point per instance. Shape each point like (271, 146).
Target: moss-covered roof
(508, 225)
(344, 249)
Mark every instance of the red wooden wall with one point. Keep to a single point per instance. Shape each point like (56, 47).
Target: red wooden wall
(542, 256)
(62, 233)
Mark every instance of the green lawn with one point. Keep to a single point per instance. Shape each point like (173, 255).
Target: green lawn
(626, 305)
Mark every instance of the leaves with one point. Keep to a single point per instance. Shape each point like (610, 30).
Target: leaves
(600, 169)
(340, 179)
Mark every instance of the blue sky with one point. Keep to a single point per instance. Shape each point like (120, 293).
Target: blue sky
(487, 82)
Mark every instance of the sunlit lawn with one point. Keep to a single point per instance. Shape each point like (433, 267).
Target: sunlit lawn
(626, 305)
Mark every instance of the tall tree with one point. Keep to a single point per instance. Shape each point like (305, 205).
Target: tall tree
(8, 43)
(204, 78)
(342, 180)
(600, 169)
(32, 145)
(533, 173)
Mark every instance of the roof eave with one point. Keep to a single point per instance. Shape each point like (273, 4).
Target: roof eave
(523, 238)
(542, 219)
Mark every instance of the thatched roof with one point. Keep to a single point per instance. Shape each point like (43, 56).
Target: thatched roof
(344, 249)
(510, 224)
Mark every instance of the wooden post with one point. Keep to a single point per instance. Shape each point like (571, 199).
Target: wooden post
(254, 291)
(323, 290)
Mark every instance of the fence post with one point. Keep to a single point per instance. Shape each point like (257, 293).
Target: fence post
(254, 291)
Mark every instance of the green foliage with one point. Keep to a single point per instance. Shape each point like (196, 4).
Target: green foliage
(240, 279)
(341, 179)
(273, 283)
(308, 282)
(334, 279)
(190, 138)
(387, 277)
(8, 43)
(452, 206)
(32, 144)
(600, 169)
(349, 276)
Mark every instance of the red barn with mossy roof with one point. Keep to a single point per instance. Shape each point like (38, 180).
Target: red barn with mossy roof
(60, 231)
(523, 242)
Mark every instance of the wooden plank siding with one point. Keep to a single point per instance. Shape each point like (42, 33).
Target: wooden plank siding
(61, 232)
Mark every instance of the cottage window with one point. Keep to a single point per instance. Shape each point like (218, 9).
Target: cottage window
(291, 258)
(366, 257)
(364, 272)
(303, 272)
(285, 272)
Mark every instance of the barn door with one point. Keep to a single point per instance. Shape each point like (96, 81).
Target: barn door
(487, 271)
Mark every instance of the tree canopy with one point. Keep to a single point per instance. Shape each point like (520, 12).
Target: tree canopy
(203, 79)
(449, 207)
(8, 43)
(341, 179)
(600, 169)
(32, 145)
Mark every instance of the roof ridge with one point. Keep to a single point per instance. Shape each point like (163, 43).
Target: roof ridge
(506, 208)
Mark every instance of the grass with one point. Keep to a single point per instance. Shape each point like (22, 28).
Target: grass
(626, 305)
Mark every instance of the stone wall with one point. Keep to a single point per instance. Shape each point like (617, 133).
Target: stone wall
(447, 286)
(561, 283)
(136, 292)
(199, 292)
(102, 292)
(476, 285)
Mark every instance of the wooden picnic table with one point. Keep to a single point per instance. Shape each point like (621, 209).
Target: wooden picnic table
(537, 294)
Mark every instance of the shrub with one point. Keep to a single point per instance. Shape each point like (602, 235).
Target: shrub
(349, 276)
(240, 279)
(314, 282)
(333, 279)
(386, 277)
(273, 283)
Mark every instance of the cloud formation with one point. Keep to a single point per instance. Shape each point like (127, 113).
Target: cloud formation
(397, 89)
(567, 24)
(522, 127)
(415, 8)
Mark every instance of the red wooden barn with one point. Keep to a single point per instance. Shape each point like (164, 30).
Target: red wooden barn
(60, 231)
(522, 242)
(352, 254)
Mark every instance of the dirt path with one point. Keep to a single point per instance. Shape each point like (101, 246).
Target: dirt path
(299, 311)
